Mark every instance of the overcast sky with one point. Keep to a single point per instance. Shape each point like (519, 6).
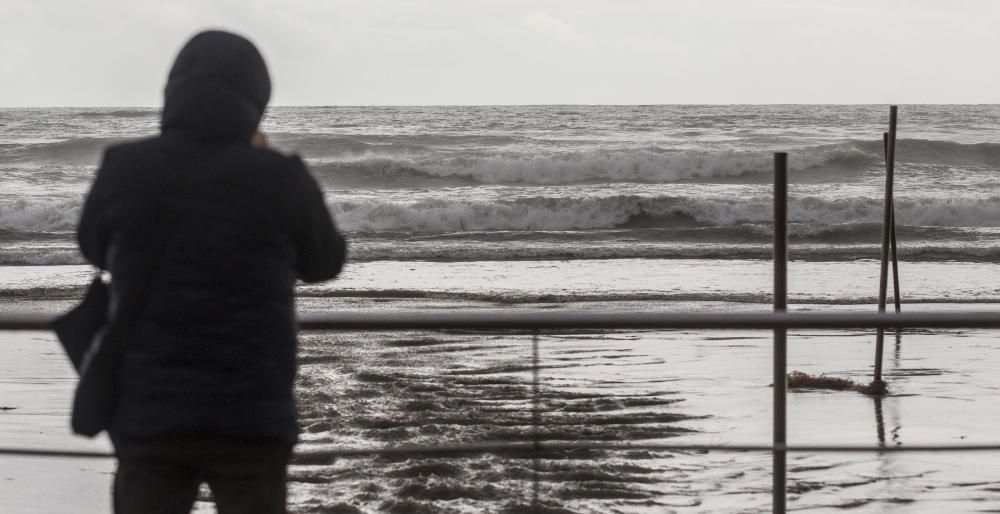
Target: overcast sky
(360, 52)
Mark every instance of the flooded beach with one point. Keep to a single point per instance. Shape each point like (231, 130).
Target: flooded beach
(582, 209)
(361, 390)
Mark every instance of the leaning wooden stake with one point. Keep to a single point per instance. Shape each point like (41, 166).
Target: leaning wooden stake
(780, 340)
(892, 239)
(887, 220)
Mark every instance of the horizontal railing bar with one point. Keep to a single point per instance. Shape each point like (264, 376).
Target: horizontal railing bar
(642, 320)
(73, 454)
(478, 320)
(312, 455)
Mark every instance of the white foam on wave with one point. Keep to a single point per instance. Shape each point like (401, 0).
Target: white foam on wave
(40, 215)
(435, 216)
(544, 213)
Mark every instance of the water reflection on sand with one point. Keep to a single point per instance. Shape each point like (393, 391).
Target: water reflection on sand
(375, 389)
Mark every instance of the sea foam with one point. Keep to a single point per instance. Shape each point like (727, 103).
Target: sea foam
(541, 213)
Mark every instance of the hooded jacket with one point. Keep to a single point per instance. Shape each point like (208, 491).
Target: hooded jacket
(211, 354)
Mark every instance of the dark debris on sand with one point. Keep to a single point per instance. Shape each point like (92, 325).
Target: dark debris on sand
(800, 380)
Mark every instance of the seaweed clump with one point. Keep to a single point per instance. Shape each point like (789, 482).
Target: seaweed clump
(875, 388)
(800, 380)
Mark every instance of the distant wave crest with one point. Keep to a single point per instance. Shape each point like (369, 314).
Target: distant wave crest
(370, 167)
(927, 151)
(644, 165)
(647, 165)
(85, 150)
(370, 160)
(120, 113)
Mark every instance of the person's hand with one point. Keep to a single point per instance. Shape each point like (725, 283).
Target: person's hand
(259, 139)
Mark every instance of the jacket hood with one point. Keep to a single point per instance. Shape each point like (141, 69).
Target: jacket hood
(217, 89)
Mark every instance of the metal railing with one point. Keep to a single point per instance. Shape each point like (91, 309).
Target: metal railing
(598, 320)
(534, 322)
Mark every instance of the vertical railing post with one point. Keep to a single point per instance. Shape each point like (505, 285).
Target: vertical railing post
(780, 339)
(887, 220)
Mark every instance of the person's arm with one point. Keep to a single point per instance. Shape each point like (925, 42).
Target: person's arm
(321, 249)
(94, 230)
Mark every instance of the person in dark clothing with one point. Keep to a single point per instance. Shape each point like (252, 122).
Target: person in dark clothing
(205, 386)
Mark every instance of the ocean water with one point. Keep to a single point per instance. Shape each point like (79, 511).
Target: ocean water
(580, 208)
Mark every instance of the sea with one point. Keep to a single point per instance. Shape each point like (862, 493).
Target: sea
(652, 208)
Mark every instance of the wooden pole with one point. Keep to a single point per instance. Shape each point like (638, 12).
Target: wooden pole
(780, 335)
(886, 232)
(892, 238)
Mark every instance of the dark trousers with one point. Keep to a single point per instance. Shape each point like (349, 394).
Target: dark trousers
(163, 478)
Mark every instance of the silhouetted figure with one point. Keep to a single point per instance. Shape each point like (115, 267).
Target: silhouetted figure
(205, 387)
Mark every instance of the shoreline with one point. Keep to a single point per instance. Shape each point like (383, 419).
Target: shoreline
(630, 283)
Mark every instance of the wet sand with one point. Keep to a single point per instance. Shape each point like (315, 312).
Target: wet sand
(358, 389)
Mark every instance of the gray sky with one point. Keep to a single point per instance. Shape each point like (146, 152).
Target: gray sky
(356, 52)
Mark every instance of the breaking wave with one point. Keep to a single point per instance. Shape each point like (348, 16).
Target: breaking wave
(627, 211)
(39, 215)
(817, 215)
(646, 165)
